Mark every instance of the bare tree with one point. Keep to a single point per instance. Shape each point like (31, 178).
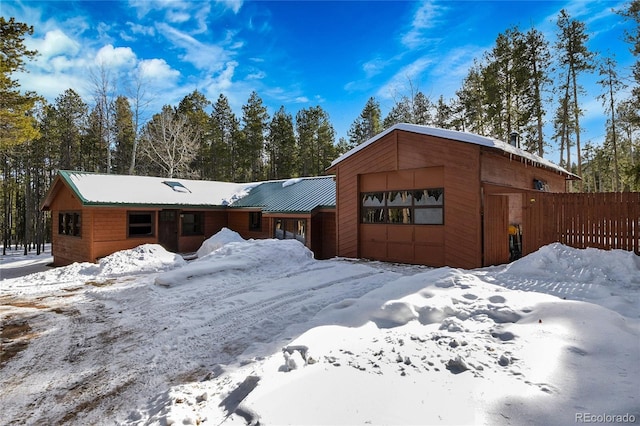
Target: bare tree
(140, 100)
(104, 89)
(169, 143)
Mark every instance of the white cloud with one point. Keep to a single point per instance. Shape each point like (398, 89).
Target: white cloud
(425, 18)
(233, 5)
(55, 42)
(209, 57)
(157, 69)
(142, 30)
(115, 57)
(410, 74)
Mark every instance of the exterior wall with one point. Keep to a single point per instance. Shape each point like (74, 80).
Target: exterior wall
(500, 170)
(214, 221)
(68, 249)
(110, 231)
(238, 220)
(405, 160)
(323, 237)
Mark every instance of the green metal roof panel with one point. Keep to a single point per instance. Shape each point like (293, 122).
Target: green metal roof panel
(300, 195)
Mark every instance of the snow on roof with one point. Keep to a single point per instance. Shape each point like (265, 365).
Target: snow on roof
(461, 137)
(109, 189)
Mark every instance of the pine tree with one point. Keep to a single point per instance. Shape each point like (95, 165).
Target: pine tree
(611, 84)
(16, 123)
(251, 145)
(632, 36)
(471, 98)
(399, 113)
(367, 125)
(225, 131)
(124, 136)
(70, 123)
(538, 61)
(576, 59)
(193, 108)
(316, 138)
(443, 114)
(281, 146)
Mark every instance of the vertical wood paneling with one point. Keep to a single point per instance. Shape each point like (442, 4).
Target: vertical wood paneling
(496, 224)
(598, 220)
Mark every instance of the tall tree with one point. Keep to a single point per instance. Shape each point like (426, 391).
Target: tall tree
(367, 125)
(225, 131)
(140, 100)
(316, 139)
(16, 123)
(104, 94)
(70, 124)
(611, 84)
(537, 62)
(632, 36)
(193, 108)
(125, 136)
(471, 98)
(575, 58)
(281, 146)
(255, 122)
(169, 143)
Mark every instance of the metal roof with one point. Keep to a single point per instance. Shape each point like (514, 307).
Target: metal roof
(301, 195)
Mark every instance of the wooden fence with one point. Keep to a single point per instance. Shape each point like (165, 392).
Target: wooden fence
(600, 220)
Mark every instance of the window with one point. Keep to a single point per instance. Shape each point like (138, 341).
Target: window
(192, 223)
(415, 206)
(255, 221)
(176, 186)
(70, 223)
(540, 185)
(140, 224)
(287, 229)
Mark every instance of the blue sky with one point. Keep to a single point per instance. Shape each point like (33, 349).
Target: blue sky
(293, 53)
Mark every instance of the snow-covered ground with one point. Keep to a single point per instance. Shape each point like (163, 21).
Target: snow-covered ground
(260, 332)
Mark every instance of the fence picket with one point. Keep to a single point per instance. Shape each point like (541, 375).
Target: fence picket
(601, 220)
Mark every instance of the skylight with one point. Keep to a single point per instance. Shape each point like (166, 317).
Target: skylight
(176, 186)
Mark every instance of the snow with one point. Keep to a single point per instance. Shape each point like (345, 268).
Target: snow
(458, 136)
(290, 182)
(97, 188)
(259, 331)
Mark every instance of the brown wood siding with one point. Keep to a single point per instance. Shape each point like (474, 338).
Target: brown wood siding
(406, 160)
(214, 221)
(378, 157)
(110, 231)
(238, 220)
(511, 172)
(599, 220)
(496, 230)
(323, 235)
(68, 249)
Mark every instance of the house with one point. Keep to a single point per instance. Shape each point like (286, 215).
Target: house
(411, 194)
(423, 195)
(94, 215)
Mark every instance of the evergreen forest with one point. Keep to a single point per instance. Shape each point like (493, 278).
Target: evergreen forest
(523, 84)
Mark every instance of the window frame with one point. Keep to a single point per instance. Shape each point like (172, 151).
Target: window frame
(384, 208)
(290, 229)
(195, 228)
(136, 225)
(70, 223)
(255, 221)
